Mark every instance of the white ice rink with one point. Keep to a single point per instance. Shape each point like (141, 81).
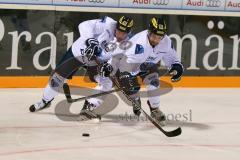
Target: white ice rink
(210, 120)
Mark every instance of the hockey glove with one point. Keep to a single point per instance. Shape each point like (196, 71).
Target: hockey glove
(105, 69)
(176, 71)
(129, 83)
(92, 50)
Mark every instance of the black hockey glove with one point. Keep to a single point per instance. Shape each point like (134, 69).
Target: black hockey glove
(92, 50)
(129, 83)
(176, 71)
(105, 69)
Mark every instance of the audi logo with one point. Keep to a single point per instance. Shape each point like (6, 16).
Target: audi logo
(96, 1)
(160, 2)
(213, 3)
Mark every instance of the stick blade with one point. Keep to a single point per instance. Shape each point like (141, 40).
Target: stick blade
(173, 133)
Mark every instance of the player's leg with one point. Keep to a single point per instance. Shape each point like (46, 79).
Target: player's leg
(103, 84)
(128, 82)
(131, 87)
(152, 83)
(67, 66)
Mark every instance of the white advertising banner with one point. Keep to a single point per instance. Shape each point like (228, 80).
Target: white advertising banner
(207, 5)
(94, 3)
(232, 5)
(171, 4)
(26, 1)
(214, 5)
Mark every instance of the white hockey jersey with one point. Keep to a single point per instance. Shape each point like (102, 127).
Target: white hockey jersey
(117, 53)
(141, 51)
(101, 29)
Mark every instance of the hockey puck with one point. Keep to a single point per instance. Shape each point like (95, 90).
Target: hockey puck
(86, 135)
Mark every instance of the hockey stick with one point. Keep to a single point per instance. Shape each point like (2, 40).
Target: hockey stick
(173, 133)
(67, 93)
(69, 98)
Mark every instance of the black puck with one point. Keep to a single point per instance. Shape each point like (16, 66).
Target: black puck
(86, 134)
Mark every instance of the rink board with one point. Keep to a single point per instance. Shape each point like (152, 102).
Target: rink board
(80, 81)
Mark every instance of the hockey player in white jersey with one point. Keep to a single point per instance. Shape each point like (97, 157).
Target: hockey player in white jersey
(148, 48)
(94, 34)
(123, 28)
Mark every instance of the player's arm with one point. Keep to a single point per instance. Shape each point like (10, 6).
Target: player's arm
(127, 64)
(172, 61)
(86, 29)
(106, 28)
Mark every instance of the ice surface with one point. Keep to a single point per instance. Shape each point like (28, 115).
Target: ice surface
(211, 128)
